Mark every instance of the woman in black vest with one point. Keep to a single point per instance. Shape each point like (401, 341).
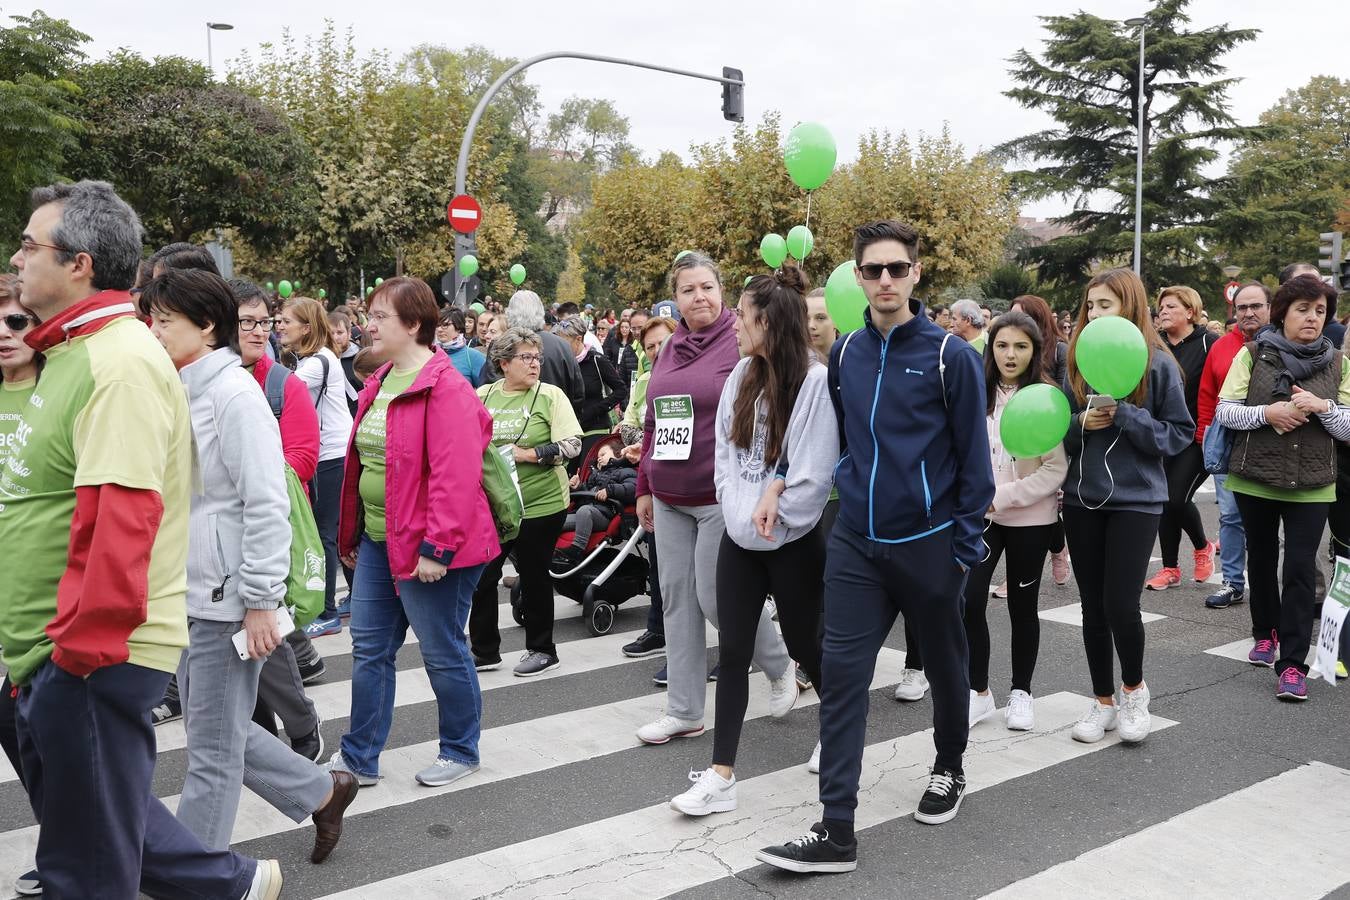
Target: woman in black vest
(1287, 397)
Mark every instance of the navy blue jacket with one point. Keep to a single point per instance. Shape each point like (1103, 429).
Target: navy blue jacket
(915, 453)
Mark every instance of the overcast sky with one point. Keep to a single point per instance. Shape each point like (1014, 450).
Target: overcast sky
(852, 65)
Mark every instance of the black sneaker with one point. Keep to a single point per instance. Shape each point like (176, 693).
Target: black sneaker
(534, 663)
(311, 745)
(813, 853)
(647, 644)
(167, 711)
(712, 676)
(1224, 597)
(311, 672)
(943, 797)
(659, 679)
(482, 664)
(566, 559)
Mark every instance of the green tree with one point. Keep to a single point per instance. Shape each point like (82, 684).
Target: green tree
(39, 124)
(1289, 184)
(189, 154)
(1087, 80)
(1006, 281)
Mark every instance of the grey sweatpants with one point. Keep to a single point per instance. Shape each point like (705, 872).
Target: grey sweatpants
(226, 748)
(687, 541)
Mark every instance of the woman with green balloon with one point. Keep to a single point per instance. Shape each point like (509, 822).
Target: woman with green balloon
(1129, 415)
(1026, 418)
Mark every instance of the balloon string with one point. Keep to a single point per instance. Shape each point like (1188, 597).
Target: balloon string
(808, 209)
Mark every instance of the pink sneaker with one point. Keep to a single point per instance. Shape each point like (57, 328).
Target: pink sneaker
(1059, 567)
(1164, 579)
(1204, 561)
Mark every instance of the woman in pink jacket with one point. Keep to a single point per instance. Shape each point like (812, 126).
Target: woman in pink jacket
(1020, 522)
(415, 525)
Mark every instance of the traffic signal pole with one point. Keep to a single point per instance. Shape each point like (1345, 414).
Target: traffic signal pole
(732, 109)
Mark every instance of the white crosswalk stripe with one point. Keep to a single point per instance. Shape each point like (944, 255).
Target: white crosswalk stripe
(1072, 614)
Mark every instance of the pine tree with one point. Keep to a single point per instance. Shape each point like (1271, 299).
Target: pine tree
(1087, 80)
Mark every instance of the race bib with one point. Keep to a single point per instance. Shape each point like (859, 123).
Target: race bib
(673, 437)
(1334, 611)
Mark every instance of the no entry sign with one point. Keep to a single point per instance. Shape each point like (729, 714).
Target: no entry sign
(464, 214)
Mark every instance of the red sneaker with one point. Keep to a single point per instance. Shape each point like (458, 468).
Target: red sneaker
(1164, 579)
(1204, 561)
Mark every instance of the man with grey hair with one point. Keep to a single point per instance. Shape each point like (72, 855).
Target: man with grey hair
(968, 323)
(559, 367)
(94, 499)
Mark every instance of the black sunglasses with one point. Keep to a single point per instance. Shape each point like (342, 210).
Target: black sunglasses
(872, 271)
(18, 321)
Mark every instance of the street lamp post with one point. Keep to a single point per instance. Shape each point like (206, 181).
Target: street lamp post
(1138, 22)
(210, 27)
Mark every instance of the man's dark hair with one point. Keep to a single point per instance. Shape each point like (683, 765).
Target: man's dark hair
(246, 293)
(95, 221)
(184, 256)
(885, 230)
(567, 309)
(1294, 269)
(201, 297)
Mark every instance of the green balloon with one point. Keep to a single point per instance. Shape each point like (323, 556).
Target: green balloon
(284, 288)
(468, 265)
(1034, 421)
(773, 250)
(369, 291)
(809, 155)
(379, 281)
(747, 280)
(478, 308)
(682, 254)
(323, 295)
(517, 274)
(1112, 356)
(800, 242)
(844, 298)
(295, 284)
(271, 286)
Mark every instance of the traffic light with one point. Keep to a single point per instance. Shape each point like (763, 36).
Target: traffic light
(1345, 275)
(733, 96)
(1329, 255)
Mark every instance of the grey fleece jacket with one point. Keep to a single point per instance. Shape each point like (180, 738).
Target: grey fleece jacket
(810, 451)
(239, 534)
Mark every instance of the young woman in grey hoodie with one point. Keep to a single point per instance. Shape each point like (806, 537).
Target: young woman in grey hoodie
(239, 540)
(777, 445)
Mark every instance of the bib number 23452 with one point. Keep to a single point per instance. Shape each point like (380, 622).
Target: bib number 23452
(674, 434)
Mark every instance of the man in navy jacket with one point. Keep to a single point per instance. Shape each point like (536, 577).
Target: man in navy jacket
(914, 484)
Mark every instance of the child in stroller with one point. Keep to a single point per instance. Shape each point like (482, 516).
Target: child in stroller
(611, 486)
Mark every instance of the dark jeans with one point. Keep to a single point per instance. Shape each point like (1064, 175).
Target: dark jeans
(88, 752)
(1110, 551)
(1026, 551)
(867, 583)
(9, 726)
(1185, 473)
(1289, 612)
(745, 578)
(656, 620)
(533, 552)
(325, 493)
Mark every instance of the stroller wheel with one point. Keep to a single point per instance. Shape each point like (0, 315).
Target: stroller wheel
(516, 612)
(599, 616)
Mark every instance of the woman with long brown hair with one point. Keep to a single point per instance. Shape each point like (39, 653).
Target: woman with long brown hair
(1113, 499)
(777, 445)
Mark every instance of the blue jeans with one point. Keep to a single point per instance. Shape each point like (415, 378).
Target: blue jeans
(438, 613)
(1232, 539)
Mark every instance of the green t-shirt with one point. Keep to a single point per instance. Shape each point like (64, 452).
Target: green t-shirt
(1235, 388)
(528, 419)
(13, 398)
(370, 448)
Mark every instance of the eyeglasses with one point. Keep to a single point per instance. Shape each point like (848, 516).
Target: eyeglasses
(380, 316)
(872, 271)
(29, 247)
(19, 321)
(529, 359)
(248, 324)
(1249, 308)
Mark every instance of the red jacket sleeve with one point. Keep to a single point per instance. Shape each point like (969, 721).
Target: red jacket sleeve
(299, 425)
(458, 430)
(102, 596)
(1209, 397)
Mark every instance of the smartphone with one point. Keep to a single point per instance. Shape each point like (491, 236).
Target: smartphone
(285, 624)
(1100, 401)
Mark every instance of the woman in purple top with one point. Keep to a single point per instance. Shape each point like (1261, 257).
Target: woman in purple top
(678, 501)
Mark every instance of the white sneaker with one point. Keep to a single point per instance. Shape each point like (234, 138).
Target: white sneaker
(266, 883)
(783, 692)
(813, 765)
(338, 763)
(667, 727)
(1135, 721)
(1020, 713)
(913, 685)
(711, 793)
(1096, 723)
(981, 706)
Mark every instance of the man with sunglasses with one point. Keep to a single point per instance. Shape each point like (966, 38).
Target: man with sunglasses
(94, 499)
(914, 484)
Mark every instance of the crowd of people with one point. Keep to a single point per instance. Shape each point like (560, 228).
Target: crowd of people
(799, 490)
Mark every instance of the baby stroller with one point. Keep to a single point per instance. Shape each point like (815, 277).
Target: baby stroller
(614, 567)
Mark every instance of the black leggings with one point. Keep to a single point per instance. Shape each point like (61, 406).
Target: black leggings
(1288, 612)
(1026, 550)
(1110, 550)
(1185, 473)
(9, 726)
(533, 552)
(794, 574)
